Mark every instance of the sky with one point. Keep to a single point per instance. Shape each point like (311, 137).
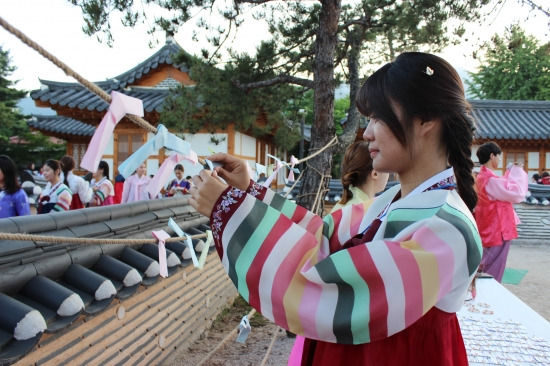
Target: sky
(56, 25)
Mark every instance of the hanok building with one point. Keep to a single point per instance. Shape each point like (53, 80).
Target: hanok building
(520, 128)
(79, 111)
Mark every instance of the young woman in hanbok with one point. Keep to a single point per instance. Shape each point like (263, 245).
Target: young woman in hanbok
(13, 199)
(104, 192)
(178, 186)
(375, 283)
(360, 183)
(135, 187)
(494, 213)
(82, 192)
(56, 196)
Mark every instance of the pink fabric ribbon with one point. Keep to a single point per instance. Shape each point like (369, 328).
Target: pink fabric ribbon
(293, 161)
(140, 183)
(167, 167)
(161, 236)
(120, 105)
(279, 165)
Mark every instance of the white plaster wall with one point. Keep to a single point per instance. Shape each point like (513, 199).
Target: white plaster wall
(238, 145)
(152, 166)
(109, 149)
(201, 144)
(248, 145)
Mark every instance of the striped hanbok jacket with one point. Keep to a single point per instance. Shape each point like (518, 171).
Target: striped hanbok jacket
(290, 264)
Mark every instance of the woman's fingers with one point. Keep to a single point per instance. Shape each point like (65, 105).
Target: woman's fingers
(205, 192)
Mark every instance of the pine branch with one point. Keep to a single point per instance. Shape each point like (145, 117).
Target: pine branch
(281, 79)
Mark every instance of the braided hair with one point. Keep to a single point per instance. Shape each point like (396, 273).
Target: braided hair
(356, 168)
(427, 87)
(67, 164)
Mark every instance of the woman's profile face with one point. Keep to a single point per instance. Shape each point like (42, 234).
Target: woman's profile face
(495, 161)
(387, 153)
(98, 174)
(49, 173)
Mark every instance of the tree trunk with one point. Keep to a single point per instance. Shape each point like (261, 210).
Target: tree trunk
(319, 167)
(352, 124)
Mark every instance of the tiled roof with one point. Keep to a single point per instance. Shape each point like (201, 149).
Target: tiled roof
(74, 95)
(61, 125)
(162, 56)
(511, 119)
(64, 280)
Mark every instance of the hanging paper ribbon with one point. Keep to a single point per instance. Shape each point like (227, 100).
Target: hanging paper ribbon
(244, 329)
(293, 161)
(278, 166)
(260, 169)
(172, 224)
(161, 236)
(163, 138)
(120, 105)
(251, 172)
(204, 253)
(167, 167)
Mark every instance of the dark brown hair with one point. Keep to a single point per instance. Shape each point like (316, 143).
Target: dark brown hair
(484, 151)
(67, 164)
(427, 87)
(9, 170)
(356, 168)
(54, 164)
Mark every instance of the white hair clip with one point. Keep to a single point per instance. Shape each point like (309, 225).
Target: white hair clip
(429, 71)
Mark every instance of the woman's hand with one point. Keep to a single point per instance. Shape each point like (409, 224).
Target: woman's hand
(234, 171)
(206, 191)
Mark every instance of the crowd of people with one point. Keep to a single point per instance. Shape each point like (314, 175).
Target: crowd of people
(64, 190)
(378, 280)
(543, 178)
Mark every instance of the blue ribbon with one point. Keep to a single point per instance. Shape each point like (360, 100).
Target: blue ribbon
(162, 139)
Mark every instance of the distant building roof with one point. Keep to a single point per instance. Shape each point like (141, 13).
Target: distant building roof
(512, 119)
(162, 56)
(61, 125)
(74, 95)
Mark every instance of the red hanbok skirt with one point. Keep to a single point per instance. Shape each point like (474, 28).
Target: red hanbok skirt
(434, 340)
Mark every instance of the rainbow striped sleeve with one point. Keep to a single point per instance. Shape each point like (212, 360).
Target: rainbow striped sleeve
(297, 214)
(425, 254)
(64, 198)
(103, 192)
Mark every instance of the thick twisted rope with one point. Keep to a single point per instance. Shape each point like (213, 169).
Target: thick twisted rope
(66, 240)
(70, 72)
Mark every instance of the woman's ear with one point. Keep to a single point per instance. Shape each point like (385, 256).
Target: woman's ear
(373, 175)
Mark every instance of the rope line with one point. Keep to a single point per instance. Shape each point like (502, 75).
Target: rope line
(207, 357)
(66, 240)
(270, 348)
(70, 72)
(331, 142)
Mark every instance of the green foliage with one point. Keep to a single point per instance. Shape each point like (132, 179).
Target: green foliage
(513, 67)
(31, 146)
(215, 101)
(11, 121)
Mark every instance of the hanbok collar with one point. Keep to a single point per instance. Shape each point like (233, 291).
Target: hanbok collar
(442, 180)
